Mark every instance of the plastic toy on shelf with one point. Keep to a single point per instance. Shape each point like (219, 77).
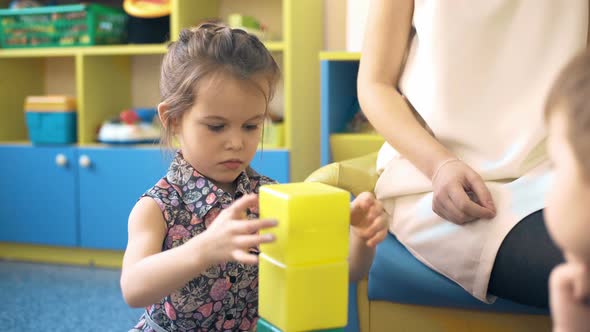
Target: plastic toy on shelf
(63, 25)
(133, 126)
(147, 8)
(248, 24)
(149, 21)
(51, 119)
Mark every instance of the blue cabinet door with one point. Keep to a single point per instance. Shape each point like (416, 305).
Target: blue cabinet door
(38, 200)
(111, 182)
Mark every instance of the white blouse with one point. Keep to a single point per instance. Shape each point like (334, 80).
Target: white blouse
(478, 72)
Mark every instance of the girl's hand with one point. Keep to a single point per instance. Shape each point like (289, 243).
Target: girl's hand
(367, 219)
(231, 234)
(570, 308)
(460, 195)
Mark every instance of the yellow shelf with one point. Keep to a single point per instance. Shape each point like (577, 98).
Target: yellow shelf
(340, 56)
(89, 50)
(147, 49)
(124, 49)
(274, 46)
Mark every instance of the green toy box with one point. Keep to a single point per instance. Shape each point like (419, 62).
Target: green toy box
(57, 26)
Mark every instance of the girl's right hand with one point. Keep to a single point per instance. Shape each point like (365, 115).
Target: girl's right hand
(231, 234)
(460, 195)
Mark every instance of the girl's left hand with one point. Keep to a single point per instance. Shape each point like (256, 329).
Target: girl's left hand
(367, 219)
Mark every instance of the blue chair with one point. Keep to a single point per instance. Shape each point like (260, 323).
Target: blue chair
(402, 294)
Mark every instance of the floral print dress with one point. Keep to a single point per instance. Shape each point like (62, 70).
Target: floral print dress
(223, 298)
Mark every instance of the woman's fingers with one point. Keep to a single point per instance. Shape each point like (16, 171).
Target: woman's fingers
(463, 202)
(483, 195)
(460, 195)
(447, 210)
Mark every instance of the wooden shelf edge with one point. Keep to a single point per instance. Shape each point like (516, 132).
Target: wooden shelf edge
(340, 56)
(131, 49)
(90, 50)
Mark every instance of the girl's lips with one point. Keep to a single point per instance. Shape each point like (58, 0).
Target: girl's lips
(232, 164)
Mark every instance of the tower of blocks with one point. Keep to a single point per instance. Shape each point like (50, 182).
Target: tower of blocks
(303, 275)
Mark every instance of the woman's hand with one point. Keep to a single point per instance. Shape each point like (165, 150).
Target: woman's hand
(367, 219)
(460, 195)
(570, 308)
(231, 234)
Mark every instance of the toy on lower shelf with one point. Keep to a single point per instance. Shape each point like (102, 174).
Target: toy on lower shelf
(51, 119)
(131, 127)
(303, 275)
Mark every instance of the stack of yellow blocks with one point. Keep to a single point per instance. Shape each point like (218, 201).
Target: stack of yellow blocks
(303, 284)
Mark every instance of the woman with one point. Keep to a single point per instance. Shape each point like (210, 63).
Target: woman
(467, 199)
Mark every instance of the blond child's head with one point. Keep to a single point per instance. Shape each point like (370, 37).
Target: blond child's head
(568, 116)
(216, 83)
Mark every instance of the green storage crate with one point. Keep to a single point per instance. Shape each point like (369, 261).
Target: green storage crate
(68, 25)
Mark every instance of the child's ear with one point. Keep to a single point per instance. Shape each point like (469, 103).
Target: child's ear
(162, 113)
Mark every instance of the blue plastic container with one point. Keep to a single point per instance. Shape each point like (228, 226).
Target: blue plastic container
(51, 127)
(146, 114)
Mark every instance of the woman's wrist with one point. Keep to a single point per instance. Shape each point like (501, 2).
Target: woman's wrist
(435, 154)
(441, 165)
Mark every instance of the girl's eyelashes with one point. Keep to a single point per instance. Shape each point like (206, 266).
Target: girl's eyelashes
(216, 128)
(251, 127)
(220, 127)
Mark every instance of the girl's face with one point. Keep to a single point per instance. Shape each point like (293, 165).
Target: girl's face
(219, 135)
(567, 214)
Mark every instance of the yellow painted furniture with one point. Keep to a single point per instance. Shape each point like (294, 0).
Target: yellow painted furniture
(303, 278)
(401, 294)
(111, 78)
(107, 79)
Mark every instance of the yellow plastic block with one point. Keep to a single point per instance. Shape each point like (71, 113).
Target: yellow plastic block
(303, 298)
(313, 222)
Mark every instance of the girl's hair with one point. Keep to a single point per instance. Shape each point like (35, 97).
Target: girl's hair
(202, 52)
(570, 94)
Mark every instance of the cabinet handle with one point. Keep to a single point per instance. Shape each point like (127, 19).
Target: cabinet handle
(84, 161)
(61, 160)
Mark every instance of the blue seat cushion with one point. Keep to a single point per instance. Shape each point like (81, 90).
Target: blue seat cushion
(396, 276)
